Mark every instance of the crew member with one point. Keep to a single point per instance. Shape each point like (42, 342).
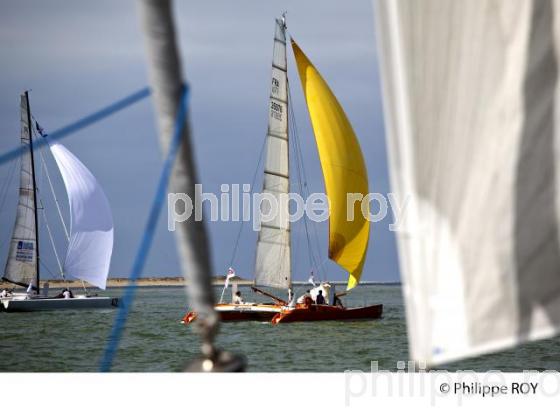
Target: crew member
(67, 294)
(237, 299)
(320, 299)
(302, 298)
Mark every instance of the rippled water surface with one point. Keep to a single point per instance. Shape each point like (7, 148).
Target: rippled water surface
(155, 341)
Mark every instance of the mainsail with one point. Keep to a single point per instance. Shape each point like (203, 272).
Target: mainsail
(471, 110)
(22, 262)
(91, 224)
(272, 267)
(343, 167)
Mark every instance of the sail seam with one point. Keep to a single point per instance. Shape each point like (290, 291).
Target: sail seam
(280, 68)
(277, 136)
(279, 99)
(276, 174)
(274, 227)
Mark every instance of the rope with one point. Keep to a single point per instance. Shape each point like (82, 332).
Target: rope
(300, 167)
(82, 123)
(234, 253)
(51, 237)
(58, 207)
(48, 271)
(145, 244)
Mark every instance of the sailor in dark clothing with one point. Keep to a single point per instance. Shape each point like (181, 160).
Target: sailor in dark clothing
(337, 301)
(320, 299)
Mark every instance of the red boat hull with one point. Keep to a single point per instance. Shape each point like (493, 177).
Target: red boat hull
(313, 313)
(246, 316)
(240, 312)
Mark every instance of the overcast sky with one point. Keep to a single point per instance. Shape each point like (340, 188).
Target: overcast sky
(78, 56)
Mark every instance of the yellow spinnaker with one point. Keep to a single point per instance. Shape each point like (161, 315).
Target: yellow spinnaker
(343, 167)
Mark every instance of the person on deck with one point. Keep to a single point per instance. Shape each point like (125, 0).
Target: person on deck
(237, 299)
(320, 300)
(337, 301)
(4, 293)
(67, 294)
(306, 295)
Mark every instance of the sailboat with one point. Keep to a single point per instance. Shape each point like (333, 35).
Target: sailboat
(90, 240)
(344, 172)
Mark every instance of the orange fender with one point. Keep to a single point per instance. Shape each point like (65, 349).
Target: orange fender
(188, 318)
(276, 319)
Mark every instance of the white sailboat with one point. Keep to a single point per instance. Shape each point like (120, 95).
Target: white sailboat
(344, 172)
(90, 241)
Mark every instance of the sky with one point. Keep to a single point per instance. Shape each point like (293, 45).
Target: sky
(76, 57)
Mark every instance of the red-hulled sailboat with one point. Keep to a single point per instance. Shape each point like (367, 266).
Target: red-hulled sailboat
(344, 174)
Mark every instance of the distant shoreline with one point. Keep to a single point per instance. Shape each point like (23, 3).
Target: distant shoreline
(174, 282)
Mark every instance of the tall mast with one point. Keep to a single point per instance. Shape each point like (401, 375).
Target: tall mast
(29, 130)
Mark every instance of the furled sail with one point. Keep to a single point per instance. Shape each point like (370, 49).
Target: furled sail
(343, 167)
(91, 224)
(272, 267)
(471, 110)
(21, 265)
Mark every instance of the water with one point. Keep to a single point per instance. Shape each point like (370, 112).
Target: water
(155, 341)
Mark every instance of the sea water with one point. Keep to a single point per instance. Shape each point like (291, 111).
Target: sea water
(156, 341)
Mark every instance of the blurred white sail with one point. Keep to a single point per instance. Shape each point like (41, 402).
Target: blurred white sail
(470, 93)
(91, 224)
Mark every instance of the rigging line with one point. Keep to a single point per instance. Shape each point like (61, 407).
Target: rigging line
(67, 235)
(48, 270)
(147, 238)
(81, 123)
(304, 190)
(321, 272)
(51, 238)
(46, 171)
(234, 254)
(298, 173)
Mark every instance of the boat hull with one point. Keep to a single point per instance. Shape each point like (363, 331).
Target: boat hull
(312, 313)
(230, 312)
(43, 304)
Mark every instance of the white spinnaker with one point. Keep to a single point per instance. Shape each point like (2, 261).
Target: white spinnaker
(272, 267)
(21, 265)
(91, 223)
(470, 92)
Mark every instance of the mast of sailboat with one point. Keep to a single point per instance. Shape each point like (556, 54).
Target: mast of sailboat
(35, 214)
